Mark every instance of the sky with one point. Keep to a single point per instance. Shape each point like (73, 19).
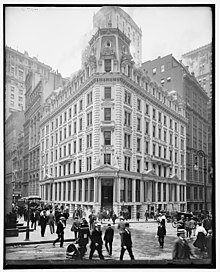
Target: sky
(56, 35)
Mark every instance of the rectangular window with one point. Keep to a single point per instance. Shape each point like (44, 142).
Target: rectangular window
(64, 116)
(70, 130)
(164, 120)
(80, 105)
(139, 104)
(159, 117)
(107, 137)
(74, 147)
(138, 190)
(154, 114)
(147, 147)
(147, 128)
(70, 113)
(80, 166)
(80, 145)
(61, 120)
(127, 97)
(107, 94)
(127, 161)
(107, 114)
(127, 140)
(165, 136)
(139, 124)
(138, 166)
(89, 141)
(147, 109)
(138, 144)
(154, 131)
(165, 153)
(154, 149)
(159, 133)
(74, 127)
(108, 67)
(127, 118)
(129, 190)
(80, 124)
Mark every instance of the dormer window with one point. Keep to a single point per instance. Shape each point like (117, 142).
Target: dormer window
(108, 67)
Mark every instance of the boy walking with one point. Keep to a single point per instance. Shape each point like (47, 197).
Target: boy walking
(108, 238)
(161, 232)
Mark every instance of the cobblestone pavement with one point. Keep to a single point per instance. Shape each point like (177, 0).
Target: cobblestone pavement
(145, 247)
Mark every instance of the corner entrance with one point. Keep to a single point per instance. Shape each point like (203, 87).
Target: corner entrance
(107, 193)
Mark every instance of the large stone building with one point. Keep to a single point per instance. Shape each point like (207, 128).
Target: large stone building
(38, 87)
(200, 63)
(17, 66)
(13, 128)
(176, 78)
(112, 137)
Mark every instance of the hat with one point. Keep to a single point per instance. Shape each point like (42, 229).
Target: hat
(62, 218)
(109, 225)
(76, 217)
(180, 231)
(209, 231)
(98, 224)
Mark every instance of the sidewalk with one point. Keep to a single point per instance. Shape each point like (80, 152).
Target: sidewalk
(35, 235)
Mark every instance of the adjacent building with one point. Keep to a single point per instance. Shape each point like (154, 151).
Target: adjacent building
(112, 137)
(17, 66)
(38, 87)
(178, 81)
(13, 129)
(200, 63)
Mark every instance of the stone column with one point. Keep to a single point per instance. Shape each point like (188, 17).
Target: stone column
(48, 191)
(178, 192)
(114, 190)
(99, 188)
(53, 192)
(156, 191)
(89, 188)
(83, 190)
(118, 189)
(77, 190)
(45, 192)
(142, 191)
(71, 190)
(67, 189)
(58, 190)
(126, 190)
(133, 190)
(161, 186)
(167, 192)
(95, 190)
(62, 185)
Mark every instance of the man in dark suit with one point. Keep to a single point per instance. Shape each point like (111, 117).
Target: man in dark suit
(60, 231)
(108, 238)
(43, 223)
(96, 242)
(126, 242)
(181, 249)
(33, 218)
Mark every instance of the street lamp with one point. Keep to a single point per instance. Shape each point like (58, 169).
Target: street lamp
(201, 153)
(29, 198)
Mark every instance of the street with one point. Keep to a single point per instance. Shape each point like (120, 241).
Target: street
(145, 248)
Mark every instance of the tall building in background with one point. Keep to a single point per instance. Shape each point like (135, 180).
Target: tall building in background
(112, 137)
(176, 78)
(38, 87)
(17, 67)
(200, 63)
(13, 131)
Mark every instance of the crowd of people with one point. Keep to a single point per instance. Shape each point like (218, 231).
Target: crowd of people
(86, 229)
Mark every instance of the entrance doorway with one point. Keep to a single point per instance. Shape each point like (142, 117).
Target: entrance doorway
(107, 193)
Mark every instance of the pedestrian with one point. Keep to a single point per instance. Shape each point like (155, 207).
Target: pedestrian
(138, 216)
(161, 233)
(207, 223)
(114, 217)
(126, 242)
(33, 218)
(96, 242)
(192, 227)
(91, 221)
(159, 218)
(186, 227)
(75, 227)
(83, 237)
(209, 243)
(200, 237)
(146, 215)
(181, 223)
(60, 231)
(51, 220)
(163, 219)
(181, 249)
(121, 225)
(108, 238)
(43, 223)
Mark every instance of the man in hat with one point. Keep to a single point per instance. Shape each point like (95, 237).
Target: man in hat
(181, 249)
(43, 223)
(83, 237)
(126, 242)
(96, 242)
(121, 225)
(60, 231)
(108, 238)
(75, 227)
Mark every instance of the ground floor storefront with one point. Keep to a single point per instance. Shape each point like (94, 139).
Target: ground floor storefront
(111, 189)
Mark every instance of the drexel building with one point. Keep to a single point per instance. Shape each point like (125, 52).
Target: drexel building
(112, 137)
